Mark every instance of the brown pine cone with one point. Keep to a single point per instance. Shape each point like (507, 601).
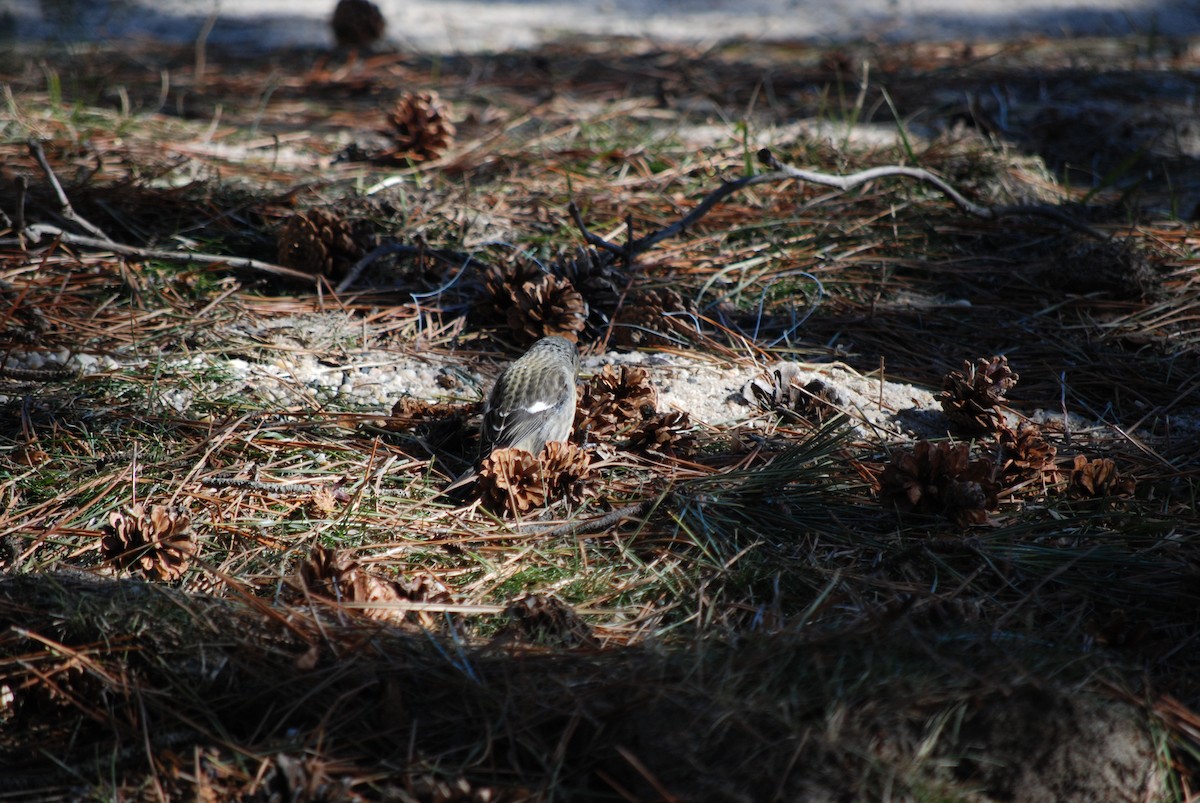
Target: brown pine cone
(547, 306)
(1025, 451)
(319, 242)
(643, 320)
(155, 541)
(940, 479)
(971, 395)
(664, 433)
(421, 127)
(1098, 479)
(510, 482)
(613, 400)
(565, 468)
(545, 619)
(335, 575)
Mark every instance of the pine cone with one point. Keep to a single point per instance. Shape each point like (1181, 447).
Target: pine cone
(970, 396)
(1025, 451)
(565, 467)
(510, 482)
(664, 433)
(156, 542)
(357, 23)
(778, 391)
(547, 306)
(318, 242)
(409, 413)
(1094, 480)
(940, 479)
(333, 574)
(643, 320)
(513, 482)
(598, 278)
(613, 399)
(546, 619)
(421, 128)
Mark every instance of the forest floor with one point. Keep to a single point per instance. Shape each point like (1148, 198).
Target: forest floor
(871, 496)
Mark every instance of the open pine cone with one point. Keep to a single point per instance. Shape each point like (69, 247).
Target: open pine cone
(664, 433)
(547, 306)
(545, 619)
(1025, 451)
(421, 127)
(940, 479)
(335, 575)
(319, 242)
(613, 400)
(409, 412)
(357, 23)
(510, 482)
(155, 541)
(598, 278)
(970, 396)
(1098, 479)
(565, 467)
(643, 320)
(779, 391)
(513, 482)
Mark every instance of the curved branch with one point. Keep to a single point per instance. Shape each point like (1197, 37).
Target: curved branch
(970, 207)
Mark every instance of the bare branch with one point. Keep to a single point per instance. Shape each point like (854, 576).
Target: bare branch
(36, 232)
(971, 208)
(65, 208)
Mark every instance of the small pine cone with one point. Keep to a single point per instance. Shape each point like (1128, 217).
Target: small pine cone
(547, 306)
(50, 690)
(643, 320)
(421, 127)
(613, 399)
(565, 468)
(357, 23)
(595, 274)
(778, 391)
(333, 574)
(971, 395)
(409, 412)
(1025, 451)
(545, 619)
(664, 433)
(329, 573)
(940, 479)
(1097, 479)
(156, 542)
(510, 482)
(501, 285)
(318, 242)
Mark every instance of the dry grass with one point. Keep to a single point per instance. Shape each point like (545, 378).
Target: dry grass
(758, 626)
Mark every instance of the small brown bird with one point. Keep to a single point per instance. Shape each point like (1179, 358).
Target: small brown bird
(357, 23)
(532, 403)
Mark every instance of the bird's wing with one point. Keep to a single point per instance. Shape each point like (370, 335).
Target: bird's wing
(505, 427)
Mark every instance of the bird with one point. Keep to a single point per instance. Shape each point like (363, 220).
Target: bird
(531, 404)
(357, 23)
(533, 400)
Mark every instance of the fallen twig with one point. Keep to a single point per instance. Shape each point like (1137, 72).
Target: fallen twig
(782, 172)
(986, 212)
(36, 232)
(65, 208)
(600, 523)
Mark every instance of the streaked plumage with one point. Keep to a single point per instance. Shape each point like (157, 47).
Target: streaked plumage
(533, 401)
